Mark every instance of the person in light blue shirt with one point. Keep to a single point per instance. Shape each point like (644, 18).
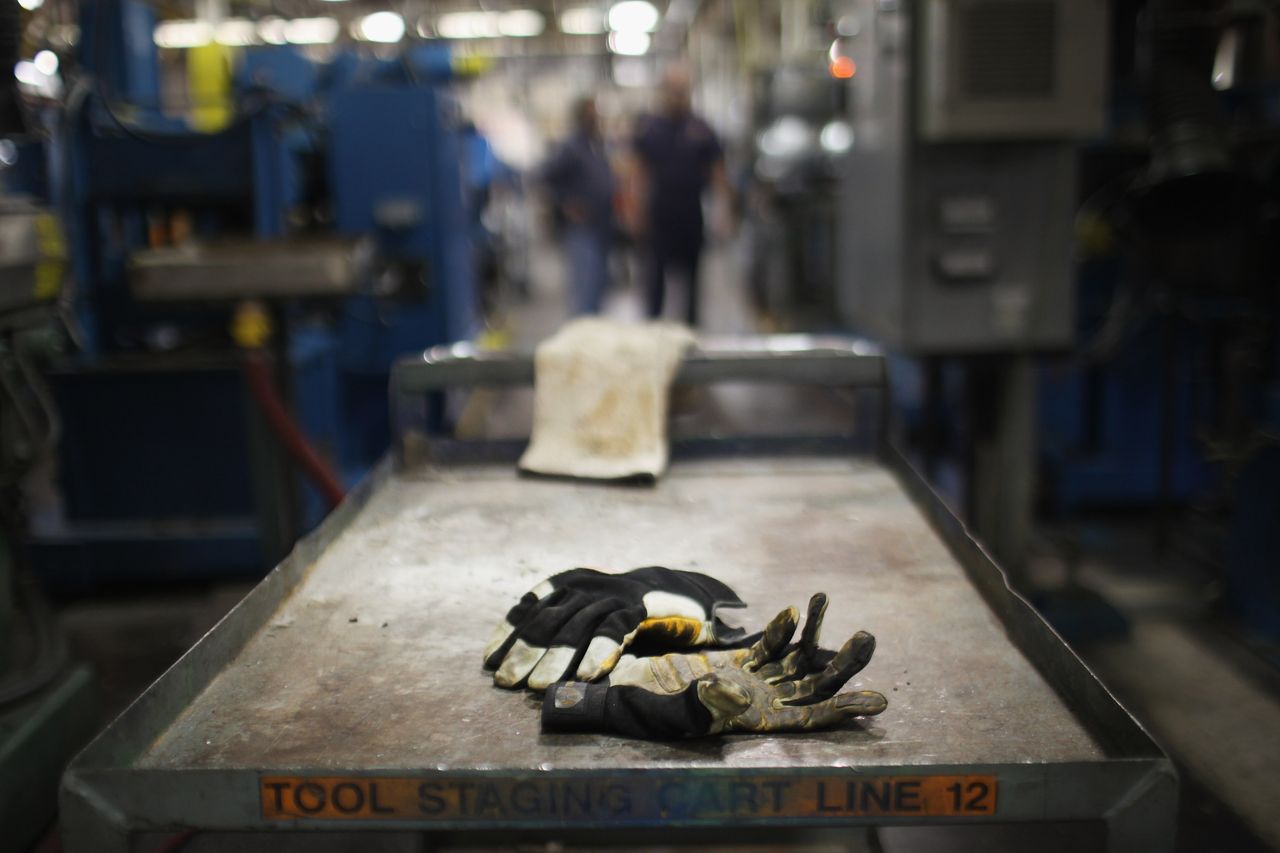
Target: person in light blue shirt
(581, 183)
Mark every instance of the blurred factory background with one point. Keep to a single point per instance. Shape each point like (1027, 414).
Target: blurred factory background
(221, 220)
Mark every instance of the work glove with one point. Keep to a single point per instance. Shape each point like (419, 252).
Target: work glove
(770, 686)
(577, 623)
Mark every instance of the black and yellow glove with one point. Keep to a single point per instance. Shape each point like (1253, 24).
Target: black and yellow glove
(768, 687)
(578, 623)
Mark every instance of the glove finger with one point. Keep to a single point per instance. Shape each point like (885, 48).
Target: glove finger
(584, 584)
(773, 642)
(850, 660)
(605, 647)
(569, 645)
(829, 712)
(861, 703)
(813, 625)
(533, 602)
(796, 663)
(533, 639)
(724, 699)
(801, 659)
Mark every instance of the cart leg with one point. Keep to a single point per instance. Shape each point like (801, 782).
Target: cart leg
(88, 824)
(1002, 478)
(1147, 818)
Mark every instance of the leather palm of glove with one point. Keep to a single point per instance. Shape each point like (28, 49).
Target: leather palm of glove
(769, 687)
(578, 623)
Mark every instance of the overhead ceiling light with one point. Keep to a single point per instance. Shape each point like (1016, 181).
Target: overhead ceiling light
(236, 32)
(31, 5)
(311, 31)
(468, 25)
(46, 61)
(182, 34)
(521, 23)
(582, 21)
(848, 26)
(382, 27)
(836, 137)
(789, 136)
(26, 72)
(629, 43)
(271, 30)
(633, 16)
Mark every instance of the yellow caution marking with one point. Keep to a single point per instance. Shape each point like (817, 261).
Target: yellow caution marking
(51, 267)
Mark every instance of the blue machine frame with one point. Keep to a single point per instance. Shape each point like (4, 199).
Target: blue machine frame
(164, 379)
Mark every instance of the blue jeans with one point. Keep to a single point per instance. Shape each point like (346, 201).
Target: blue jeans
(586, 250)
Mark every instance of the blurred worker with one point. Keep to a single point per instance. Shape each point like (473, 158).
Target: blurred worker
(581, 182)
(679, 158)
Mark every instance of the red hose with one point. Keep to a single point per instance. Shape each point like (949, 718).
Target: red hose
(176, 842)
(257, 375)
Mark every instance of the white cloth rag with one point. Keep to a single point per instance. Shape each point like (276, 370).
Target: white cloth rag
(601, 390)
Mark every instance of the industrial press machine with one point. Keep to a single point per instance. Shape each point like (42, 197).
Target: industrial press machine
(330, 195)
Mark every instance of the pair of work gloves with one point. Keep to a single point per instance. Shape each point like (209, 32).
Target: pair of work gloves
(576, 635)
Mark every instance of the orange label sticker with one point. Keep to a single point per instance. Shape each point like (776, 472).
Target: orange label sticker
(591, 799)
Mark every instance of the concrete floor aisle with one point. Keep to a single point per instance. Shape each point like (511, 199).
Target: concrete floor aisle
(724, 305)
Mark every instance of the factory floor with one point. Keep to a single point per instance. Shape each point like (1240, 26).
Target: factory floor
(1149, 626)
(1203, 695)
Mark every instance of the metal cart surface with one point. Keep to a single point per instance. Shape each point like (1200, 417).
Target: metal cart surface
(345, 692)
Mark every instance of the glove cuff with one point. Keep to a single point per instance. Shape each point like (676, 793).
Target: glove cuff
(575, 706)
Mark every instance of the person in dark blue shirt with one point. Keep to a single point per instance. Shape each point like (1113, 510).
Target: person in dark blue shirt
(679, 157)
(582, 185)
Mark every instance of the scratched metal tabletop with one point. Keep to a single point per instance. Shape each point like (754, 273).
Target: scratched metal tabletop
(373, 661)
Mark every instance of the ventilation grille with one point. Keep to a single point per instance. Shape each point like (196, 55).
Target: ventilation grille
(1007, 49)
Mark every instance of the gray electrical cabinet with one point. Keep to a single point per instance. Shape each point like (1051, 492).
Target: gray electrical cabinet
(959, 190)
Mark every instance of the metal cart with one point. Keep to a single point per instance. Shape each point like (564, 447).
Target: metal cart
(345, 692)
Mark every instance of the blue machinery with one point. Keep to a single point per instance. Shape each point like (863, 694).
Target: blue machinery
(334, 195)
